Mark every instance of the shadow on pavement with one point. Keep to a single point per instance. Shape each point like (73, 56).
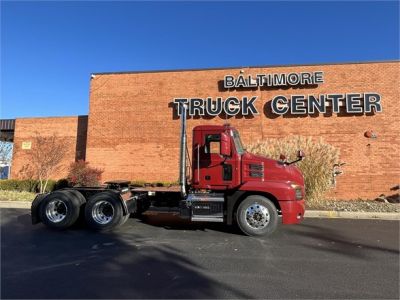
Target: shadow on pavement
(173, 222)
(333, 241)
(78, 263)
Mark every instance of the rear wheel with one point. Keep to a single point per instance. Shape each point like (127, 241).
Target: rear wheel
(60, 209)
(104, 212)
(124, 219)
(257, 216)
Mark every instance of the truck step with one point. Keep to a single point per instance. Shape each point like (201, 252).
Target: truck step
(207, 219)
(206, 207)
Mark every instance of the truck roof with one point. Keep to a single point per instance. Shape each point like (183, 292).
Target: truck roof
(212, 127)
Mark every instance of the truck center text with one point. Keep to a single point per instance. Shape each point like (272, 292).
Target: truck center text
(294, 104)
(354, 103)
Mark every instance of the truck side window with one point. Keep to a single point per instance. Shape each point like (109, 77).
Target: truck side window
(212, 143)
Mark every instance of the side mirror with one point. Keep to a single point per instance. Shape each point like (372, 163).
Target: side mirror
(300, 154)
(225, 146)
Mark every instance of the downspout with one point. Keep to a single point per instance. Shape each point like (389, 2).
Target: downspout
(182, 156)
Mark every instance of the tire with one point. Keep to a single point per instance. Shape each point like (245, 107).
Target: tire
(257, 216)
(124, 219)
(80, 223)
(104, 212)
(60, 209)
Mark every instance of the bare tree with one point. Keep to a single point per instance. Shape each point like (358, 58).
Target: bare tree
(45, 157)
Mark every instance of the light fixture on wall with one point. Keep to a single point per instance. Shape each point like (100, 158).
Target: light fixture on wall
(370, 134)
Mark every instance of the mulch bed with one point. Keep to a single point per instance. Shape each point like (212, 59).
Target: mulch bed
(379, 205)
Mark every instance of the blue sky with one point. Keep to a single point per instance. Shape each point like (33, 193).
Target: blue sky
(49, 49)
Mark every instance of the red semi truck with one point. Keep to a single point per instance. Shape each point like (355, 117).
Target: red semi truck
(228, 184)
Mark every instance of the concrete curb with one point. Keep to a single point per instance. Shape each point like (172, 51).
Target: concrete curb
(15, 204)
(308, 214)
(351, 215)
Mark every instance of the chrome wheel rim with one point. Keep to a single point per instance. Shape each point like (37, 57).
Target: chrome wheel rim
(56, 211)
(103, 212)
(257, 216)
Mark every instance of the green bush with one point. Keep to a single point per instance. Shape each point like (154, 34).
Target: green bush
(50, 185)
(138, 183)
(61, 184)
(317, 166)
(28, 185)
(142, 183)
(25, 185)
(9, 184)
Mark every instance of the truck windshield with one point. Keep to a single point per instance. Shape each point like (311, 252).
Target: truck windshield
(238, 142)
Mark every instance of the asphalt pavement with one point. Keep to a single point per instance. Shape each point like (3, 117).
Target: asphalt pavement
(162, 257)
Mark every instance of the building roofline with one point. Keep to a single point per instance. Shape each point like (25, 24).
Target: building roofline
(245, 67)
(50, 117)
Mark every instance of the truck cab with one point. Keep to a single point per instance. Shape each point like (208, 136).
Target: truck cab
(220, 164)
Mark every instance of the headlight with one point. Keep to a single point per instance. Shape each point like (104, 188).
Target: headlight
(299, 194)
(297, 191)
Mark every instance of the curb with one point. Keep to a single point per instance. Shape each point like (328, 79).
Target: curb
(309, 213)
(15, 204)
(351, 215)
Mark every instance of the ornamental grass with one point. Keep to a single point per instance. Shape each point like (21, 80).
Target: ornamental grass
(317, 166)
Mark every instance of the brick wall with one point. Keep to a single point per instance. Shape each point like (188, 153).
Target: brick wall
(133, 133)
(72, 130)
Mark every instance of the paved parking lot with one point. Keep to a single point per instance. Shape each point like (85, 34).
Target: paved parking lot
(164, 258)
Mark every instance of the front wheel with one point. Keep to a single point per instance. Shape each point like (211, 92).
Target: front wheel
(257, 216)
(104, 212)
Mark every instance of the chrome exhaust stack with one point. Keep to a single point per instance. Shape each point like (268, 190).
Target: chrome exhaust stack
(182, 156)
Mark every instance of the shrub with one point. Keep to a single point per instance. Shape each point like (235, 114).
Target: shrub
(50, 186)
(25, 185)
(61, 183)
(80, 174)
(9, 185)
(317, 166)
(138, 183)
(142, 183)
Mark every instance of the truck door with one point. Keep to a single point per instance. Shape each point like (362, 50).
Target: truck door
(216, 172)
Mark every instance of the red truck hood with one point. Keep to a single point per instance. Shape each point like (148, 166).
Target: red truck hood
(275, 170)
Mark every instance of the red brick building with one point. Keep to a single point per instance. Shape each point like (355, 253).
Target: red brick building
(132, 131)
